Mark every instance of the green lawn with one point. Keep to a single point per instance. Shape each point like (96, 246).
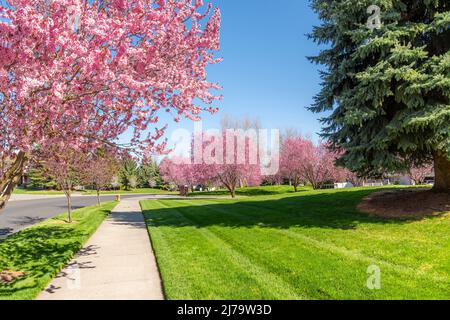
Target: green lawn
(249, 191)
(309, 245)
(133, 191)
(37, 192)
(43, 250)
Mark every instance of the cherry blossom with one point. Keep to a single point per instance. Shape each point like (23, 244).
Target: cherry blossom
(304, 162)
(80, 73)
(419, 174)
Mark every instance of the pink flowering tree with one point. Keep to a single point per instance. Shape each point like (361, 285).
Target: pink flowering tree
(303, 161)
(418, 174)
(83, 72)
(184, 174)
(216, 160)
(173, 172)
(274, 179)
(228, 163)
(320, 168)
(66, 167)
(232, 176)
(295, 154)
(99, 171)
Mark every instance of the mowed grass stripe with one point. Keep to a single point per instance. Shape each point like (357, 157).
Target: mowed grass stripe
(181, 254)
(198, 268)
(327, 272)
(161, 242)
(410, 246)
(327, 255)
(419, 245)
(248, 244)
(297, 234)
(272, 286)
(312, 273)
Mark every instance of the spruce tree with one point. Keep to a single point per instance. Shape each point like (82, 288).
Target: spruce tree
(128, 173)
(39, 179)
(148, 174)
(386, 89)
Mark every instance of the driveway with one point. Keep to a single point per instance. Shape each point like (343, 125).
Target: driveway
(20, 214)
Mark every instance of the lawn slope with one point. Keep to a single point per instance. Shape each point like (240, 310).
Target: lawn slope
(43, 250)
(310, 245)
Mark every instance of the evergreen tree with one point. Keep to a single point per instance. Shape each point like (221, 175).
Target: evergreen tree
(388, 88)
(128, 174)
(148, 174)
(39, 179)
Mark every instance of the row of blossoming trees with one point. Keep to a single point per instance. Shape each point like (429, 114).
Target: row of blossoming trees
(77, 74)
(301, 161)
(217, 160)
(72, 167)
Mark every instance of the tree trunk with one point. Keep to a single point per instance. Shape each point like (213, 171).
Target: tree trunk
(98, 197)
(442, 173)
(295, 183)
(233, 193)
(11, 179)
(69, 207)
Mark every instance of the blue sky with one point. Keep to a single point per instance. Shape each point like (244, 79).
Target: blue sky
(265, 73)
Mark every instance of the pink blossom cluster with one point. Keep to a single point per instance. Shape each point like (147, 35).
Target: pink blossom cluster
(419, 174)
(82, 72)
(302, 161)
(242, 171)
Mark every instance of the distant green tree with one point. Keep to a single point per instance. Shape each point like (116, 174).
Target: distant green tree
(38, 179)
(128, 174)
(387, 89)
(148, 174)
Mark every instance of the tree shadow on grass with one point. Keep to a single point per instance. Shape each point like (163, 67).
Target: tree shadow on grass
(334, 210)
(38, 252)
(266, 192)
(247, 192)
(41, 252)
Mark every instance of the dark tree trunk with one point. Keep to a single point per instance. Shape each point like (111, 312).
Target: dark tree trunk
(442, 173)
(98, 197)
(295, 183)
(184, 191)
(11, 179)
(69, 207)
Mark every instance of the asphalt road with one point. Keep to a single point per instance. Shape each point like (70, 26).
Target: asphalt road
(21, 214)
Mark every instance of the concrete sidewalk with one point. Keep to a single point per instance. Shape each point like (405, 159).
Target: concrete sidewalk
(117, 263)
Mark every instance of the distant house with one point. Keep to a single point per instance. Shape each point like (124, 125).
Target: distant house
(396, 179)
(375, 182)
(343, 185)
(405, 180)
(338, 185)
(401, 179)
